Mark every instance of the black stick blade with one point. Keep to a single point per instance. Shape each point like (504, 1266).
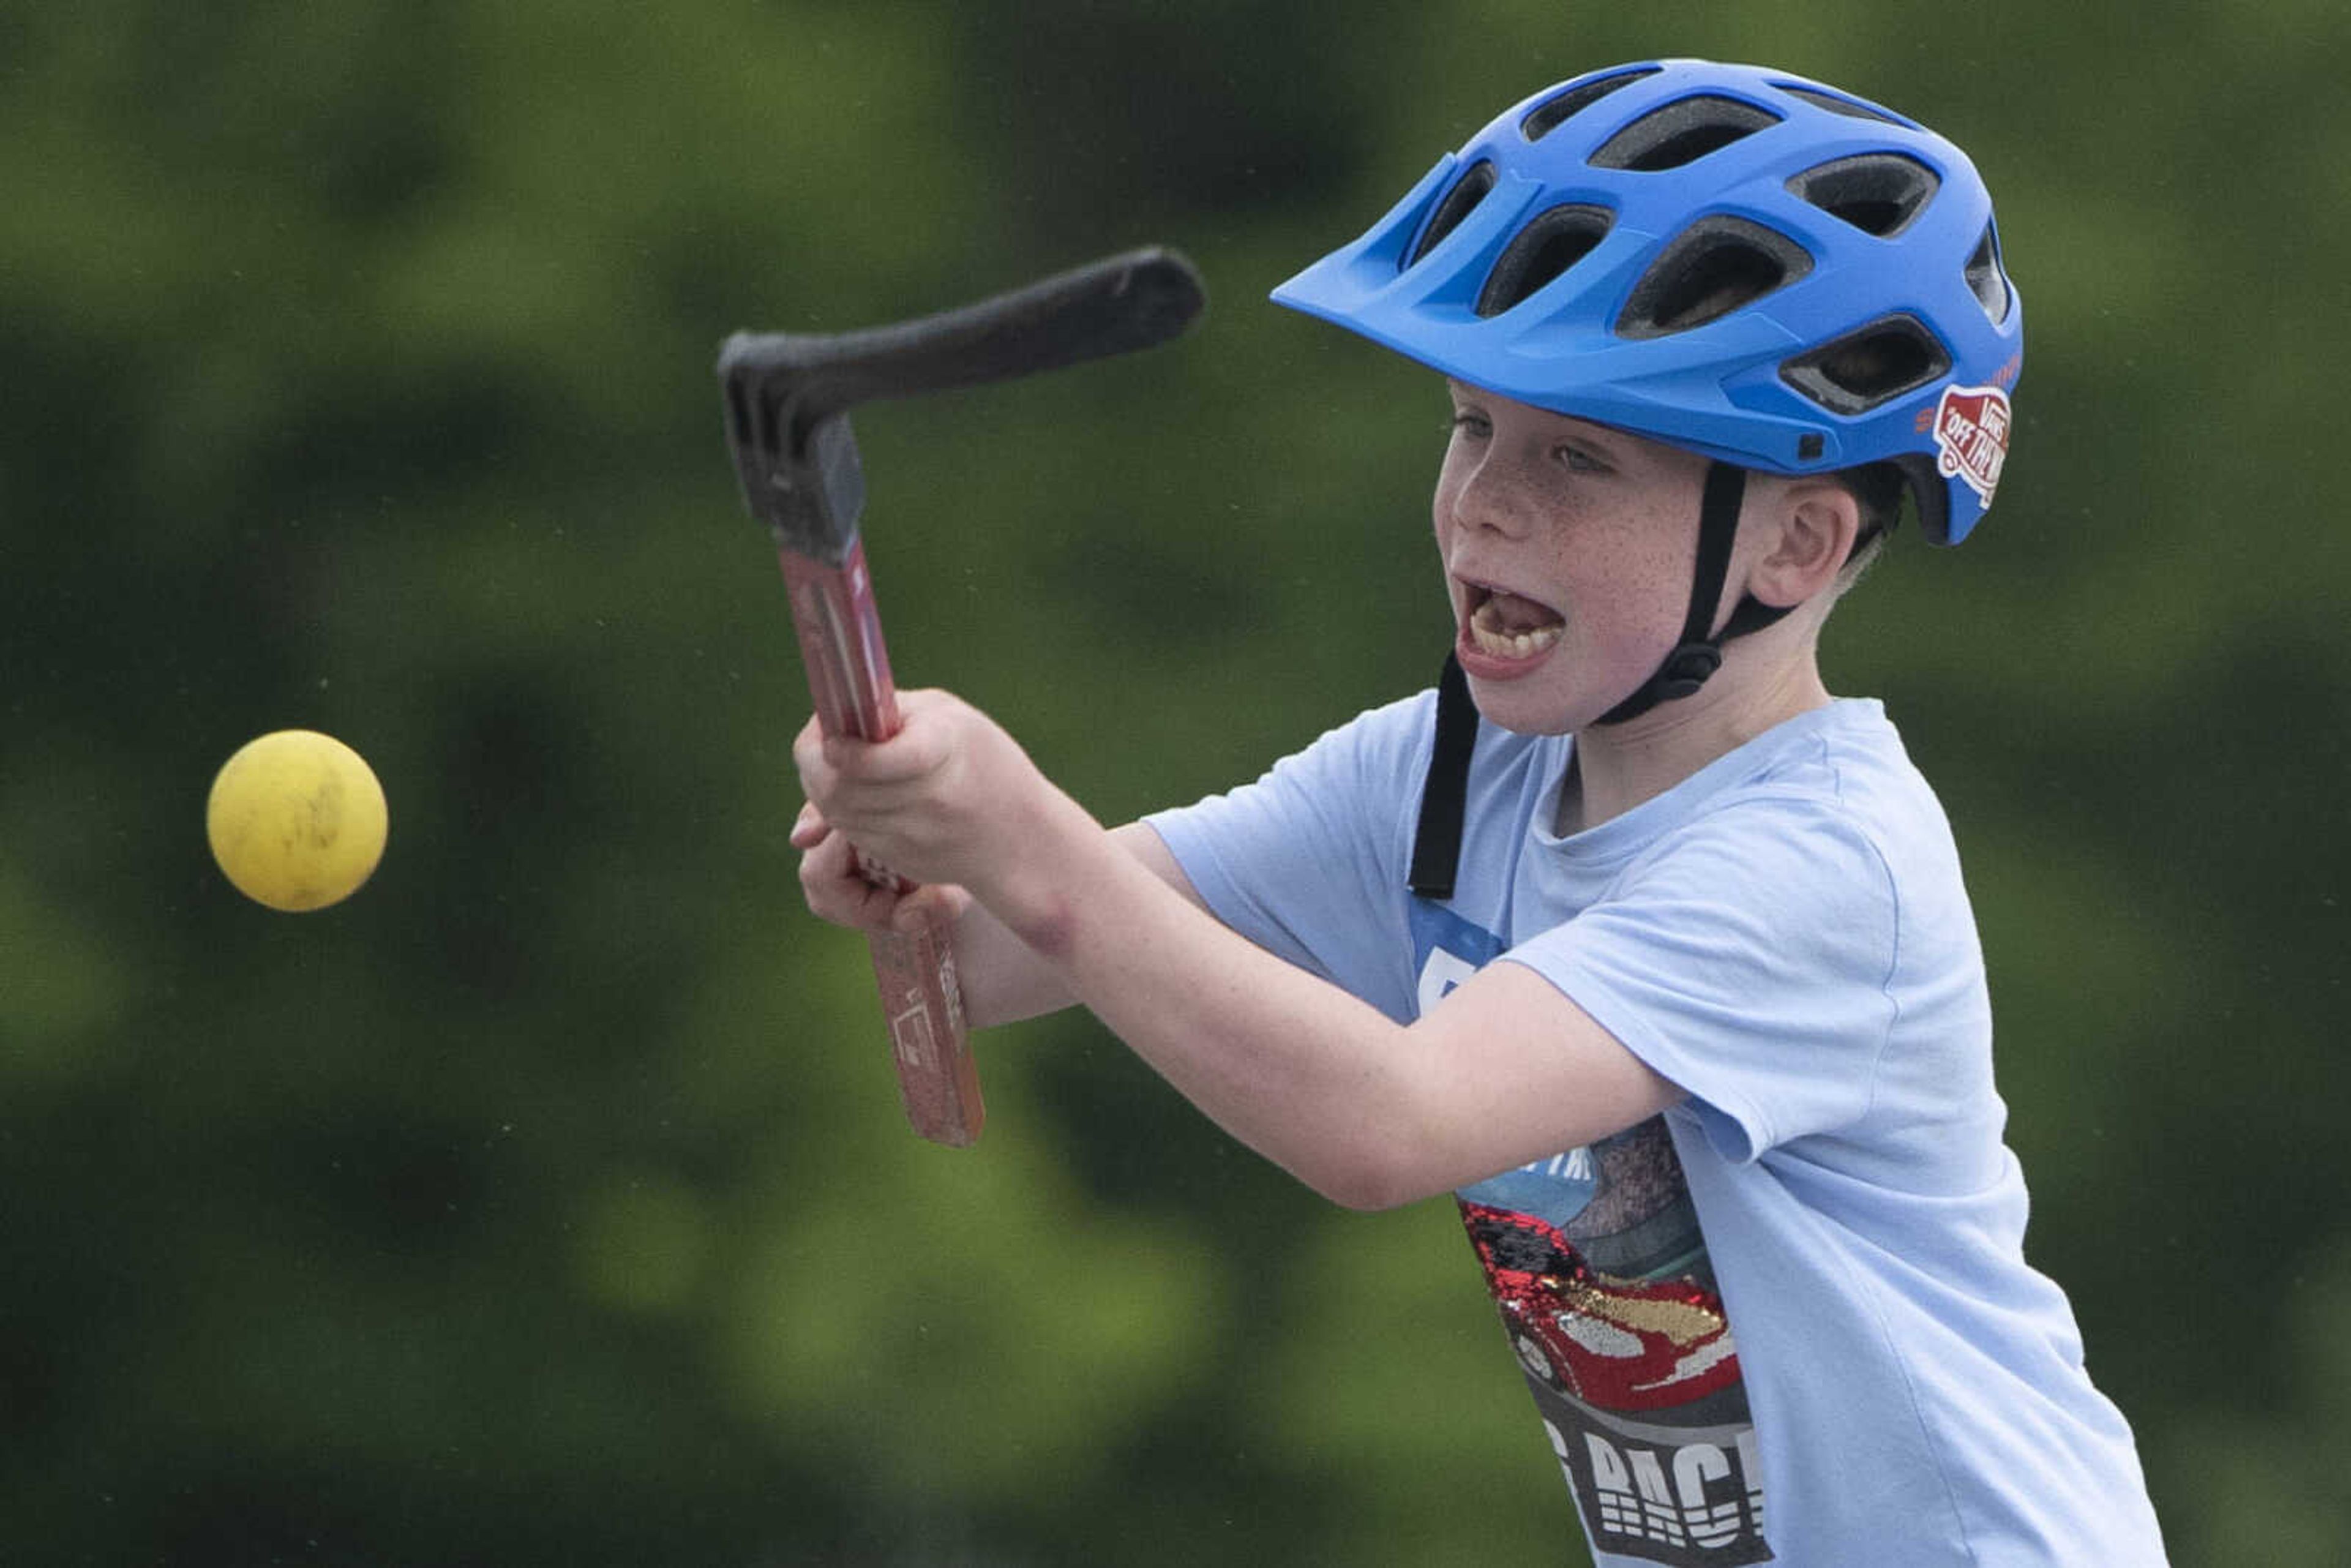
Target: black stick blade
(1112, 305)
(783, 388)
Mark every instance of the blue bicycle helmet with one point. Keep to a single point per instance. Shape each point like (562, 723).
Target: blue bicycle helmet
(1733, 260)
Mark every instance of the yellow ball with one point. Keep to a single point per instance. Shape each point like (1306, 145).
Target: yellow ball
(296, 820)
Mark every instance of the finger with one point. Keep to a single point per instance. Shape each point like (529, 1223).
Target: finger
(809, 758)
(914, 752)
(837, 891)
(823, 865)
(809, 830)
(932, 904)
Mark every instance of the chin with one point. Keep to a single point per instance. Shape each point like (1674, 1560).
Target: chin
(1512, 705)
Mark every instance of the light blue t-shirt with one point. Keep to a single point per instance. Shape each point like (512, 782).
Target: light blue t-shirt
(1790, 1319)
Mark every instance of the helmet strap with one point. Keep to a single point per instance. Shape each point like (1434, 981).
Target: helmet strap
(1700, 653)
(1444, 791)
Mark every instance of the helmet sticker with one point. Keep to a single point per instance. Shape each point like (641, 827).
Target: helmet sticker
(1971, 432)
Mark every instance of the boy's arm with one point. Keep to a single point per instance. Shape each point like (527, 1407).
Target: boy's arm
(1371, 1112)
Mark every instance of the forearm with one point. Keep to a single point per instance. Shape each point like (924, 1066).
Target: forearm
(1003, 979)
(1312, 1078)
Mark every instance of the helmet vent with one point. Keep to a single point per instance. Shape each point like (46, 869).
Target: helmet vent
(1864, 369)
(1556, 240)
(1876, 192)
(1458, 204)
(1713, 267)
(1548, 117)
(1681, 133)
(1986, 278)
(1836, 105)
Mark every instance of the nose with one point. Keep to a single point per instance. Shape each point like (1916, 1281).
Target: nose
(1488, 495)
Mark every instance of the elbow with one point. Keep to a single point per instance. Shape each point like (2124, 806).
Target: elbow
(1395, 1151)
(1370, 1200)
(1369, 1180)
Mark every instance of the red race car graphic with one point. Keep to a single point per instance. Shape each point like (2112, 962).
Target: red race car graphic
(1620, 1345)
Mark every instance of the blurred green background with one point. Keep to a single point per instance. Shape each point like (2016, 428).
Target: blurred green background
(550, 1203)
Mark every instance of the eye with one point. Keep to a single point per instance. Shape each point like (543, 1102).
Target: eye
(1468, 422)
(1578, 461)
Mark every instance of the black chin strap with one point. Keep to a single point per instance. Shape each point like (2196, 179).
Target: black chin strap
(1700, 653)
(1445, 793)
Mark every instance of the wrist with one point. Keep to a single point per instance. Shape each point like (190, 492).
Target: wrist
(1035, 893)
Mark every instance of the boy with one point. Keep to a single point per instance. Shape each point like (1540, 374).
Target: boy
(1723, 1127)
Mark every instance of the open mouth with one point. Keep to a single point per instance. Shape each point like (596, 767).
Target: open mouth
(1506, 625)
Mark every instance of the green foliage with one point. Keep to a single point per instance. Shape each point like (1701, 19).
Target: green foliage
(548, 1203)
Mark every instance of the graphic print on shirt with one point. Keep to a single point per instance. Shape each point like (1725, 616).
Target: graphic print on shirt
(1600, 1273)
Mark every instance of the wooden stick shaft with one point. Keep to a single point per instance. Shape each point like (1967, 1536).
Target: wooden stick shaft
(849, 677)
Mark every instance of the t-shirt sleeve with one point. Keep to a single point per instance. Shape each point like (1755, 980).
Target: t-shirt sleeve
(1309, 860)
(1748, 958)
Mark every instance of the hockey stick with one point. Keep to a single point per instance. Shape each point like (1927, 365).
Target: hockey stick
(788, 397)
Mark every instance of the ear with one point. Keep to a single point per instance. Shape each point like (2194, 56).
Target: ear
(1811, 527)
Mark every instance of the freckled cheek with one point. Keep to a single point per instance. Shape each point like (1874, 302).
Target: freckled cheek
(1622, 584)
(1641, 608)
(1653, 582)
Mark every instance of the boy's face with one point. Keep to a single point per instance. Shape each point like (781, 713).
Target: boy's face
(1567, 548)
